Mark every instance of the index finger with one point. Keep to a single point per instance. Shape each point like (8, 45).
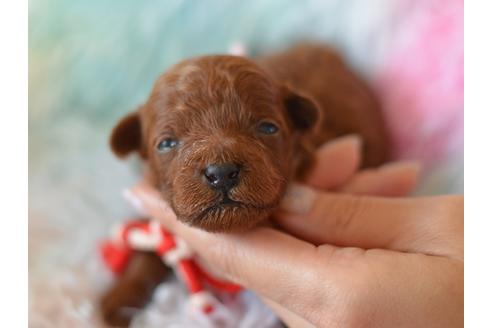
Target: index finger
(431, 225)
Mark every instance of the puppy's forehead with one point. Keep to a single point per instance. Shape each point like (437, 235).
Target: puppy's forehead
(231, 87)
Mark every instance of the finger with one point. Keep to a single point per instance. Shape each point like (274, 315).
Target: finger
(335, 162)
(403, 224)
(391, 180)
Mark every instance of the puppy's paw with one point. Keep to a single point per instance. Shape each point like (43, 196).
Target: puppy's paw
(131, 293)
(121, 304)
(126, 299)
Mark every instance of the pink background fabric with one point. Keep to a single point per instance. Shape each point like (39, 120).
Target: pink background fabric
(421, 82)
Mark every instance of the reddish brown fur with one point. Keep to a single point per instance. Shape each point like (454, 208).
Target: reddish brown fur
(134, 289)
(346, 102)
(213, 105)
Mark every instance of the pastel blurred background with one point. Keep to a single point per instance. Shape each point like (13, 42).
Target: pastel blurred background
(92, 61)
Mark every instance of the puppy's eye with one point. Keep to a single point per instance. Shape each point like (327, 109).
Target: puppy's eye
(167, 144)
(267, 128)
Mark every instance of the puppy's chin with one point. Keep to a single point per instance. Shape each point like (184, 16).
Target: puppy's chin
(227, 218)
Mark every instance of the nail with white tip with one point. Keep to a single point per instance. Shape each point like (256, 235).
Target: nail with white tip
(298, 199)
(134, 201)
(412, 166)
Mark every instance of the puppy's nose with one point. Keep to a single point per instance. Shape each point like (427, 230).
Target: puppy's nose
(222, 176)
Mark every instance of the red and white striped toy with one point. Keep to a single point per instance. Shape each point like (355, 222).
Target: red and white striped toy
(150, 235)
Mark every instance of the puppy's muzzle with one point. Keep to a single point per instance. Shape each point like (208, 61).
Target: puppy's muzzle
(222, 177)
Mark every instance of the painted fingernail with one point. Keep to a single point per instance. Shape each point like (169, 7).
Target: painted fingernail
(137, 204)
(298, 199)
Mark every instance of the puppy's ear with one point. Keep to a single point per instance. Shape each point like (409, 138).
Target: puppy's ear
(303, 112)
(126, 136)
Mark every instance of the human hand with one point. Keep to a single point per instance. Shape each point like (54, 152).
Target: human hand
(361, 261)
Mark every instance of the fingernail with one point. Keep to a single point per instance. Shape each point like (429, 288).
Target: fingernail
(353, 140)
(402, 165)
(130, 197)
(298, 199)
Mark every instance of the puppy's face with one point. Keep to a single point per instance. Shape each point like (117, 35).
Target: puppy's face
(219, 136)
